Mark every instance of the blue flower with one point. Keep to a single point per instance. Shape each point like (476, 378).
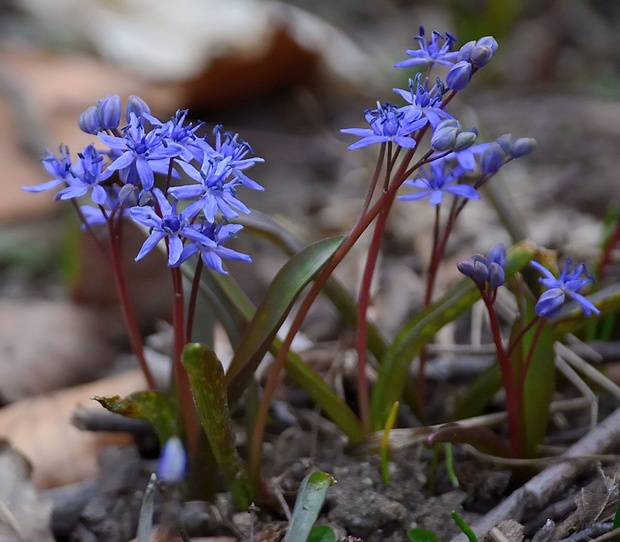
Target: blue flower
(571, 280)
(177, 131)
(85, 176)
(387, 124)
(167, 223)
(211, 251)
(423, 103)
(142, 153)
(58, 167)
(430, 52)
(172, 463)
(437, 181)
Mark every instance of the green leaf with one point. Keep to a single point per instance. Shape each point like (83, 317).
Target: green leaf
(393, 372)
(467, 530)
(539, 386)
(156, 407)
(322, 533)
(278, 300)
(145, 519)
(422, 535)
(208, 384)
(308, 505)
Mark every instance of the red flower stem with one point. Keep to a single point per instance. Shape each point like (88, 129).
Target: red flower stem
(272, 381)
(129, 315)
(181, 379)
(362, 309)
(191, 307)
(513, 396)
(518, 338)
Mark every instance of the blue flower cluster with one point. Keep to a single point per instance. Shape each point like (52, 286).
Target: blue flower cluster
(455, 154)
(121, 180)
(487, 269)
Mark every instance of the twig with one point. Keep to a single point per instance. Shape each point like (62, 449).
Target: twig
(537, 491)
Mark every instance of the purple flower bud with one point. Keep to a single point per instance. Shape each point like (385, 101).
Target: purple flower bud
(465, 140)
(505, 142)
(459, 75)
(146, 199)
(498, 255)
(109, 111)
(481, 272)
(466, 267)
(137, 106)
(496, 275)
(480, 55)
(89, 121)
(443, 139)
(492, 159)
(523, 146)
(465, 51)
(448, 123)
(488, 41)
(172, 461)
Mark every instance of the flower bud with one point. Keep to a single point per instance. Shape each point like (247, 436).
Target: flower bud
(128, 196)
(523, 146)
(137, 106)
(465, 51)
(146, 199)
(443, 139)
(448, 123)
(172, 461)
(466, 267)
(496, 275)
(89, 121)
(459, 75)
(109, 111)
(464, 140)
(505, 142)
(488, 41)
(480, 273)
(480, 55)
(498, 255)
(492, 159)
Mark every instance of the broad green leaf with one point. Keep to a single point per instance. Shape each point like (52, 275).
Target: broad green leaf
(156, 407)
(422, 535)
(278, 300)
(394, 369)
(208, 384)
(539, 385)
(303, 375)
(322, 533)
(308, 505)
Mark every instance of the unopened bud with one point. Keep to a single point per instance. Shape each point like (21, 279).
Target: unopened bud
(459, 75)
(496, 275)
(128, 196)
(480, 55)
(505, 142)
(109, 110)
(465, 140)
(481, 272)
(137, 106)
(488, 41)
(523, 146)
(443, 139)
(465, 51)
(89, 121)
(492, 159)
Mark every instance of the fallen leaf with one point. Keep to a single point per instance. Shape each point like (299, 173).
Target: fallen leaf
(41, 429)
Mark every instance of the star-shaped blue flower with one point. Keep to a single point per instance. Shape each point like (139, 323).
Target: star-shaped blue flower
(167, 223)
(430, 52)
(387, 124)
(437, 181)
(423, 103)
(571, 280)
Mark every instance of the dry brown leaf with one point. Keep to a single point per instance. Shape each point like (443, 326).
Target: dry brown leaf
(41, 429)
